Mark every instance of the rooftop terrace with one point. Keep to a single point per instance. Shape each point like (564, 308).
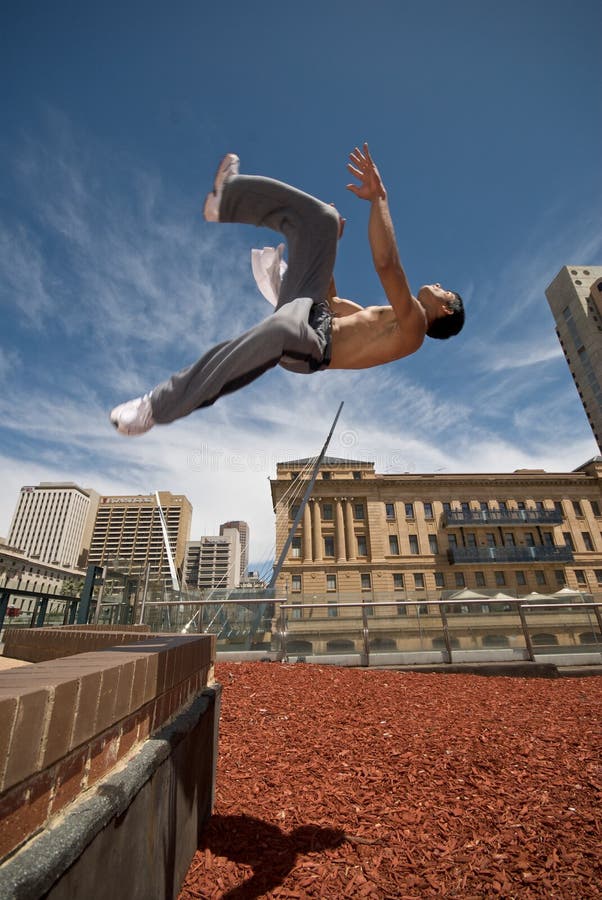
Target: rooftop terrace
(355, 783)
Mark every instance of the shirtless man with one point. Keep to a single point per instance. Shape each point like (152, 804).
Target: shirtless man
(311, 328)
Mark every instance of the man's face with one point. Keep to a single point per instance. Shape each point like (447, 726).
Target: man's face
(430, 292)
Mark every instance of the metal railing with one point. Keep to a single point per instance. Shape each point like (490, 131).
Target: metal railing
(510, 554)
(503, 517)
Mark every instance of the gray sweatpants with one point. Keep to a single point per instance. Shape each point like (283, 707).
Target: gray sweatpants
(297, 334)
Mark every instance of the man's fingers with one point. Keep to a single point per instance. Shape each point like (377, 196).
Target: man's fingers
(354, 189)
(355, 171)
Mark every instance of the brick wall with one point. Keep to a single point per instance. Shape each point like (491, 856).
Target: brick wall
(65, 723)
(41, 644)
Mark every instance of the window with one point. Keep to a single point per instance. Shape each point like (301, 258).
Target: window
(423, 609)
(331, 583)
(490, 538)
(520, 578)
(439, 580)
(560, 577)
(568, 540)
(500, 579)
(558, 506)
(326, 476)
(580, 576)
(297, 611)
(598, 574)
(366, 582)
(465, 507)
(294, 510)
(529, 539)
(362, 547)
(357, 476)
(479, 579)
(401, 609)
(548, 539)
(390, 510)
(428, 510)
(595, 507)
(397, 581)
(452, 541)
(409, 507)
(540, 577)
(414, 544)
(447, 508)
(296, 548)
(433, 543)
(358, 510)
(333, 609)
(419, 581)
(509, 540)
(327, 512)
(484, 506)
(393, 545)
(587, 540)
(460, 580)
(329, 545)
(539, 505)
(577, 508)
(296, 583)
(471, 540)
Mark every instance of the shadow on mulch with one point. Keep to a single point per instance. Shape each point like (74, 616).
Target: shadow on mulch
(269, 851)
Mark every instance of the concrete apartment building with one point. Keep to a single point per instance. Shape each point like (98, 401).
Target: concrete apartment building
(366, 535)
(53, 523)
(575, 298)
(128, 535)
(214, 561)
(243, 531)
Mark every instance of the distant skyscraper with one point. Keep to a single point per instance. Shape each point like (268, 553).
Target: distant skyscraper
(243, 530)
(575, 298)
(214, 561)
(53, 522)
(128, 530)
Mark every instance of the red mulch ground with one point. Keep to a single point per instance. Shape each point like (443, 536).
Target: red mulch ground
(344, 783)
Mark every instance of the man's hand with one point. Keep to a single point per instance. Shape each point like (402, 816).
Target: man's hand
(363, 168)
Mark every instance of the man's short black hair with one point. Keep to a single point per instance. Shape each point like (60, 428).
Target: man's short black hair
(446, 326)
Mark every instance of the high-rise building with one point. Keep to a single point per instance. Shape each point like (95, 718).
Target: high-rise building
(128, 534)
(214, 561)
(243, 530)
(575, 298)
(365, 535)
(52, 522)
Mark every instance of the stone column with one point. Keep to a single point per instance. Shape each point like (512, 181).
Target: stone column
(339, 532)
(307, 557)
(350, 531)
(317, 535)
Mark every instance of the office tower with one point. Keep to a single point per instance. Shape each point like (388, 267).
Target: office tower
(243, 530)
(214, 561)
(52, 522)
(364, 535)
(575, 298)
(128, 535)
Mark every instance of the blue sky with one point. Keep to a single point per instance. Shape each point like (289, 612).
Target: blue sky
(485, 121)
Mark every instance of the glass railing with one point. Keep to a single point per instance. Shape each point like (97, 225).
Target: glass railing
(386, 629)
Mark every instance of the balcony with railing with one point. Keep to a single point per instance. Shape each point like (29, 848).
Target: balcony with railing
(540, 554)
(502, 517)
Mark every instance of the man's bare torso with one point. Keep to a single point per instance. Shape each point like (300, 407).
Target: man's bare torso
(372, 336)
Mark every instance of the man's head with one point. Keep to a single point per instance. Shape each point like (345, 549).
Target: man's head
(444, 311)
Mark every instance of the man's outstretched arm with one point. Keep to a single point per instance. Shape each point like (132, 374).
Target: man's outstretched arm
(381, 233)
